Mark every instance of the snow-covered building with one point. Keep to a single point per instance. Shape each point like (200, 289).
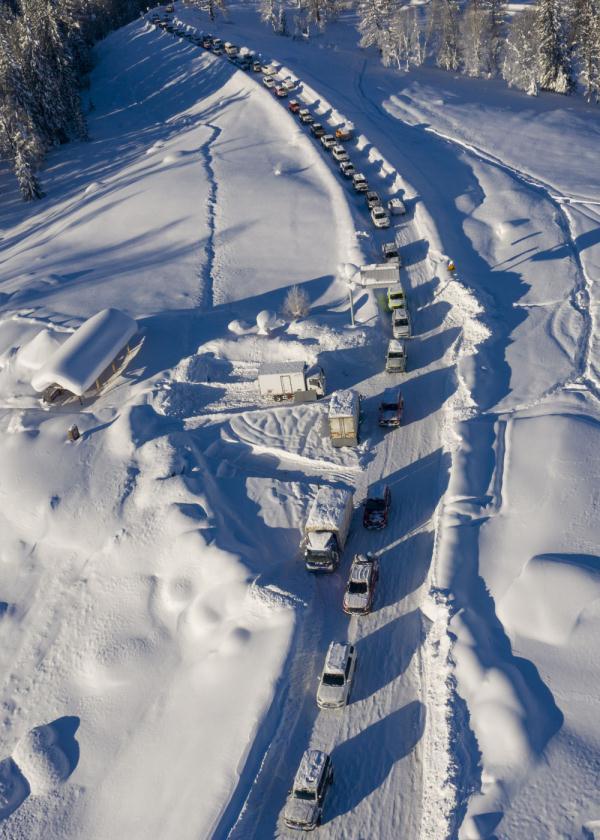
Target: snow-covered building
(83, 358)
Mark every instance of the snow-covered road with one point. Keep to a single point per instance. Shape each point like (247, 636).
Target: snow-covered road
(156, 611)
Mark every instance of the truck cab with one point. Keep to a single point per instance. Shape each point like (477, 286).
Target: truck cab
(322, 552)
(304, 807)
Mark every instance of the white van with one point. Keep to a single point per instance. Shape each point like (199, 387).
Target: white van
(396, 357)
(401, 323)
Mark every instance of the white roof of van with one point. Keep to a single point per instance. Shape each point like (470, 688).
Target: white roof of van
(395, 346)
(80, 360)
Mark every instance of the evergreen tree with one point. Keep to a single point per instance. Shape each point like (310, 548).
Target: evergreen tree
(410, 37)
(476, 39)
(519, 66)
(586, 45)
(553, 60)
(444, 32)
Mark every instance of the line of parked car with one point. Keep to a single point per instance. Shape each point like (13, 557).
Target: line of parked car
(328, 521)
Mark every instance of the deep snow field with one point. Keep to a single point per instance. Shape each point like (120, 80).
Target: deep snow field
(160, 639)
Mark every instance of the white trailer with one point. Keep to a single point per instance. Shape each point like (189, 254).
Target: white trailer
(380, 275)
(344, 418)
(326, 528)
(291, 381)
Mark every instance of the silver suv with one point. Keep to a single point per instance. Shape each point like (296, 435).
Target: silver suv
(336, 680)
(304, 807)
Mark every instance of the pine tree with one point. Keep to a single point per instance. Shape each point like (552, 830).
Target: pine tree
(476, 39)
(553, 60)
(519, 66)
(497, 21)
(25, 164)
(445, 33)
(378, 27)
(586, 45)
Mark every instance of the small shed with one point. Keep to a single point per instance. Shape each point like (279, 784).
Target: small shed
(344, 418)
(89, 354)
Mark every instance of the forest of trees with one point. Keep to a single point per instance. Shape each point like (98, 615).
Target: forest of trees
(45, 53)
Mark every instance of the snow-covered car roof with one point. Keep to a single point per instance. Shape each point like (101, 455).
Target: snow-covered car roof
(344, 403)
(360, 571)
(399, 313)
(78, 362)
(395, 346)
(310, 770)
(337, 656)
(391, 396)
(297, 366)
(396, 289)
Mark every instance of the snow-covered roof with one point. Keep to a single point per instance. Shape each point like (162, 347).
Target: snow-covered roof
(80, 360)
(335, 662)
(310, 770)
(344, 404)
(328, 509)
(395, 346)
(281, 367)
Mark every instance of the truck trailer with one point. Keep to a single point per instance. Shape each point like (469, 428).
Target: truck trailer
(344, 418)
(291, 381)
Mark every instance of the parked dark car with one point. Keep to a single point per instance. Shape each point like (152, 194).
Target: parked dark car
(377, 510)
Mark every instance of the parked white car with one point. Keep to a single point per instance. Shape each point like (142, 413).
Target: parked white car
(338, 673)
(328, 141)
(304, 807)
(380, 217)
(390, 252)
(269, 82)
(347, 168)
(339, 153)
(396, 207)
(289, 84)
(401, 323)
(359, 182)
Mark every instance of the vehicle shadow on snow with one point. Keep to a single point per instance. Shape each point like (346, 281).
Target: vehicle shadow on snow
(363, 763)
(427, 393)
(404, 568)
(394, 644)
(426, 351)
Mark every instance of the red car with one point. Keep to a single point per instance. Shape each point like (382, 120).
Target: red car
(360, 589)
(377, 509)
(293, 106)
(391, 408)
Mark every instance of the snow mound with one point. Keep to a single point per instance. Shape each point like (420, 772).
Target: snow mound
(546, 601)
(41, 759)
(346, 271)
(238, 327)
(93, 187)
(33, 355)
(267, 321)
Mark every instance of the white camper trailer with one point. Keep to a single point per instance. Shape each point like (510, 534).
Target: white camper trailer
(380, 275)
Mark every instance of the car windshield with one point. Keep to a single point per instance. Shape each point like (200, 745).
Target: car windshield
(333, 679)
(305, 794)
(402, 322)
(357, 588)
(395, 355)
(375, 504)
(389, 406)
